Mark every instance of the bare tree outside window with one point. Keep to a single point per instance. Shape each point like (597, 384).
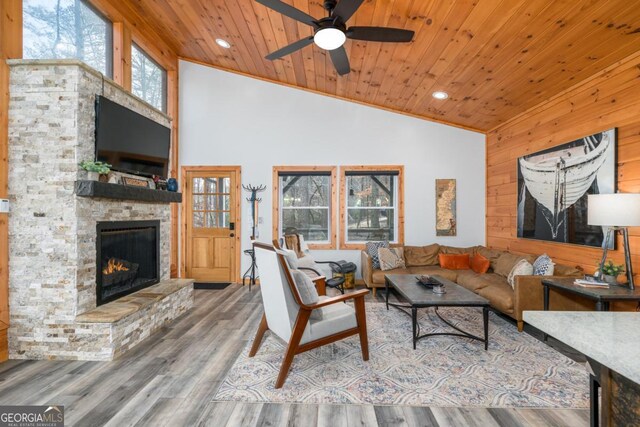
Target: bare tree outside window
(371, 207)
(148, 79)
(305, 205)
(62, 29)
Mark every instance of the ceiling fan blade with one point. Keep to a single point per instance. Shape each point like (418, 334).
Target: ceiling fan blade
(289, 11)
(290, 48)
(346, 8)
(380, 34)
(340, 60)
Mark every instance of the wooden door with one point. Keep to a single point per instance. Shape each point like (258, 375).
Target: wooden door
(212, 224)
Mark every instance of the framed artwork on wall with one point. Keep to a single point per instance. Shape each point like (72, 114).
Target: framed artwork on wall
(446, 207)
(553, 186)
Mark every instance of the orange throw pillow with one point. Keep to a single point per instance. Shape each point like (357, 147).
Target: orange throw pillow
(480, 264)
(454, 261)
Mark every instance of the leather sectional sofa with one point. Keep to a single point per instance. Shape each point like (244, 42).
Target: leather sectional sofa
(527, 294)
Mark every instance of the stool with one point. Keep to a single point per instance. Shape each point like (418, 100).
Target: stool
(251, 271)
(345, 270)
(336, 283)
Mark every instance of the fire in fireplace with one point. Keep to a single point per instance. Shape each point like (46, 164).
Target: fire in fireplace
(127, 258)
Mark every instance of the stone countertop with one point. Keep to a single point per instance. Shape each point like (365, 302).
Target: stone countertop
(132, 303)
(610, 338)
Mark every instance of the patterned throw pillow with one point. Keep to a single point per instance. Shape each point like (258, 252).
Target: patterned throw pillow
(522, 268)
(543, 266)
(390, 258)
(372, 250)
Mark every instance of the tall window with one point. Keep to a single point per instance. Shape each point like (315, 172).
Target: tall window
(372, 204)
(67, 29)
(148, 79)
(305, 204)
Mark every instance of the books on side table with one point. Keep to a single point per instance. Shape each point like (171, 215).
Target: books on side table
(591, 282)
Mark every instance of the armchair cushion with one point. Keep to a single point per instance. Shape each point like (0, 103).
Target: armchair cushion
(333, 318)
(306, 288)
(291, 257)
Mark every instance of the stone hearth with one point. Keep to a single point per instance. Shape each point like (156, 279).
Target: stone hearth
(52, 231)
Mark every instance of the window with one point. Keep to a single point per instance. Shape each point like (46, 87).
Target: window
(67, 29)
(371, 205)
(148, 79)
(304, 203)
(211, 202)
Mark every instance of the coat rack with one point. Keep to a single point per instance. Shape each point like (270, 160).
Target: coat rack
(254, 200)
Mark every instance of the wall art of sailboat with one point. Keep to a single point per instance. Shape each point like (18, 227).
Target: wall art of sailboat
(558, 181)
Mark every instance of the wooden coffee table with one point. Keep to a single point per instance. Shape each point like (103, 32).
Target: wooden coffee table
(418, 296)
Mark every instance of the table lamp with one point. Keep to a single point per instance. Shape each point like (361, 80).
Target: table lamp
(617, 212)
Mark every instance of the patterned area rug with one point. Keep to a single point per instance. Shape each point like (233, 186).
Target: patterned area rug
(517, 371)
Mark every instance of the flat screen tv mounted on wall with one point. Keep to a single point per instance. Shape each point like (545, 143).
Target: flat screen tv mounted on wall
(129, 141)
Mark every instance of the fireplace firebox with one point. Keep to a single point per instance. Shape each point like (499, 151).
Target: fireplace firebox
(127, 258)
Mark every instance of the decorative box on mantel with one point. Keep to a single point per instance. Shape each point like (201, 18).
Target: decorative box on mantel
(52, 230)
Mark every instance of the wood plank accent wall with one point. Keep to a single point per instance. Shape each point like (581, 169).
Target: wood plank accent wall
(10, 48)
(606, 100)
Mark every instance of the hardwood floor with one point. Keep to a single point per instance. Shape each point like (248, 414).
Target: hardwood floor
(170, 380)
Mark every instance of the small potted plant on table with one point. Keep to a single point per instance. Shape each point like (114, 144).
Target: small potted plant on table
(610, 272)
(97, 171)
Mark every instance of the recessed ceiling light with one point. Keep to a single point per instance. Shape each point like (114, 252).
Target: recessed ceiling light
(223, 43)
(440, 95)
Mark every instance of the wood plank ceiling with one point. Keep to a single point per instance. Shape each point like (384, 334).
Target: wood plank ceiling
(496, 58)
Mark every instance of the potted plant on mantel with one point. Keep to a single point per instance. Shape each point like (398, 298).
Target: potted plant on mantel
(610, 272)
(97, 171)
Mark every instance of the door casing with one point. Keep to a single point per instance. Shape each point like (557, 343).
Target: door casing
(238, 227)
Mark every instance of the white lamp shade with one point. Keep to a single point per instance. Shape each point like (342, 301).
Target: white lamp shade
(614, 210)
(329, 38)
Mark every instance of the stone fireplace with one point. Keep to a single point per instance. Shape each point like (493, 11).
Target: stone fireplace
(61, 306)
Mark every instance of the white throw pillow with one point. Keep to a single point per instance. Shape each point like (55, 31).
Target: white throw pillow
(522, 268)
(391, 258)
(308, 292)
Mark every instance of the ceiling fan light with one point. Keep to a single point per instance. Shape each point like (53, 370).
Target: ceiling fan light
(329, 38)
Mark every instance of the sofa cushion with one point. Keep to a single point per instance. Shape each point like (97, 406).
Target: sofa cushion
(435, 271)
(507, 261)
(471, 280)
(378, 275)
(415, 256)
(390, 258)
(372, 250)
(500, 295)
(454, 250)
(454, 261)
(479, 263)
(565, 270)
(491, 254)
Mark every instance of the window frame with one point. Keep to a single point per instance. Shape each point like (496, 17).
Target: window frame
(276, 202)
(164, 107)
(398, 208)
(109, 40)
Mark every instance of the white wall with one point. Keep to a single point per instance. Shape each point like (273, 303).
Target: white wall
(228, 119)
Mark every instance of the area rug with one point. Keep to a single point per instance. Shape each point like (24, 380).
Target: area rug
(516, 371)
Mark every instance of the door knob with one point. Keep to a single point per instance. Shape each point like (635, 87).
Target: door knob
(232, 235)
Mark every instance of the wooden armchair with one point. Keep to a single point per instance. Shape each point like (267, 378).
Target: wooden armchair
(286, 316)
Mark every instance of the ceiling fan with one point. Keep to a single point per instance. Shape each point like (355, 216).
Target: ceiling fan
(331, 32)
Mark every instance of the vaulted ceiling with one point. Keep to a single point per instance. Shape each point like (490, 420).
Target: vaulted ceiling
(496, 58)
